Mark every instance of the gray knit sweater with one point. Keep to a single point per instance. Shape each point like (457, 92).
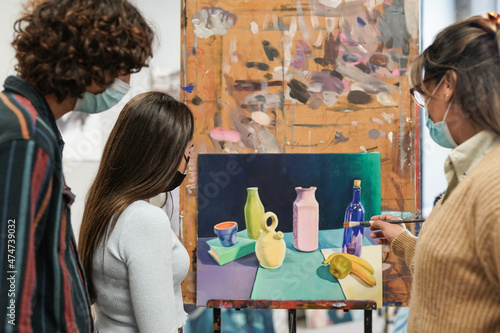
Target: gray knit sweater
(138, 272)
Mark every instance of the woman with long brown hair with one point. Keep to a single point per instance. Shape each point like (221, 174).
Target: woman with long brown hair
(133, 260)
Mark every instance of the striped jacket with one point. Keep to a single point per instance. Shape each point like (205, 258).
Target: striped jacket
(42, 286)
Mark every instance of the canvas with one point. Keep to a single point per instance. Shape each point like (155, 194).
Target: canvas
(304, 76)
(223, 180)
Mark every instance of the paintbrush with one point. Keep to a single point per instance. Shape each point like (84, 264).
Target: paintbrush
(367, 223)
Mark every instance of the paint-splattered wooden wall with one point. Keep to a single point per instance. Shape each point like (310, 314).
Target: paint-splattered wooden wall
(304, 76)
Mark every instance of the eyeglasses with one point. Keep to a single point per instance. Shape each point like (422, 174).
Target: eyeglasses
(419, 98)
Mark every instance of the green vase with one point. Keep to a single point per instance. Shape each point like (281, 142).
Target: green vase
(254, 210)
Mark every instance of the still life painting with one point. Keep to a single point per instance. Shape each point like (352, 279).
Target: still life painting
(299, 77)
(270, 226)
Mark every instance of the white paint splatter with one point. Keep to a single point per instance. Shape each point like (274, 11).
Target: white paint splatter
(378, 121)
(265, 23)
(356, 86)
(363, 149)
(278, 74)
(385, 99)
(288, 43)
(314, 21)
(304, 28)
(388, 117)
(276, 22)
(331, 3)
(371, 4)
(254, 27)
(354, 123)
(268, 142)
(226, 68)
(288, 97)
(330, 25)
(319, 41)
(212, 21)
(368, 82)
(232, 51)
(261, 118)
(330, 98)
(389, 136)
(362, 49)
(315, 87)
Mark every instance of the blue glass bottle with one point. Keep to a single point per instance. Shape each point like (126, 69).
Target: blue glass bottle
(353, 237)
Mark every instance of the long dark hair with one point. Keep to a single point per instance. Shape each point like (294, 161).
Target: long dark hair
(141, 157)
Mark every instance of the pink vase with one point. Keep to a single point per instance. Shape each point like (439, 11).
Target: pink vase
(305, 220)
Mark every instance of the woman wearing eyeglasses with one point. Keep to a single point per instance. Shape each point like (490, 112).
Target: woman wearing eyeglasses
(133, 260)
(455, 261)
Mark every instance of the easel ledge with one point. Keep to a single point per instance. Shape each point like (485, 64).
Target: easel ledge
(291, 306)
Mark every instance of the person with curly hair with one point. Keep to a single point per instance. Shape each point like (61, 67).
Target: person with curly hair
(65, 49)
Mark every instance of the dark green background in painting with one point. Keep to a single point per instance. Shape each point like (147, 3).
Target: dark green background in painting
(223, 179)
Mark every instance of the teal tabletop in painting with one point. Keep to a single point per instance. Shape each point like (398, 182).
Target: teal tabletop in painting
(302, 274)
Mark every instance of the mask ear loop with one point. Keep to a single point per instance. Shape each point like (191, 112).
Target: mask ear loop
(448, 108)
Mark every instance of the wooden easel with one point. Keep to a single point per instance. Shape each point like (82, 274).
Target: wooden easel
(291, 306)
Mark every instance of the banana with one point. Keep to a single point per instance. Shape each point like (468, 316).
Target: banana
(353, 258)
(363, 274)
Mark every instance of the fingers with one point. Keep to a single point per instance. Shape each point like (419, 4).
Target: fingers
(385, 232)
(384, 217)
(383, 242)
(380, 238)
(377, 225)
(377, 234)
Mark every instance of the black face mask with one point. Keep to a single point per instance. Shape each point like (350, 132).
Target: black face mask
(178, 178)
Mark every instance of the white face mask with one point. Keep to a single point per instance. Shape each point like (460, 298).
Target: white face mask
(91, 103)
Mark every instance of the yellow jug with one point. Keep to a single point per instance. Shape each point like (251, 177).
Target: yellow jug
(270, 247)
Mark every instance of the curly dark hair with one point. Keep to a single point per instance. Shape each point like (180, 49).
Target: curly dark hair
(63, 46)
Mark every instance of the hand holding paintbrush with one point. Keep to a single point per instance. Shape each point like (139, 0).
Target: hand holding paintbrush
(367, 223)
(387, 227)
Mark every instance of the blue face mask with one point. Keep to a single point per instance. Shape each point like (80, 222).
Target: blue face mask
(440, 132)
(91, 103)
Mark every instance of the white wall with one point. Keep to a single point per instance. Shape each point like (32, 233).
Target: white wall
(7, 18)
(435, 15)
